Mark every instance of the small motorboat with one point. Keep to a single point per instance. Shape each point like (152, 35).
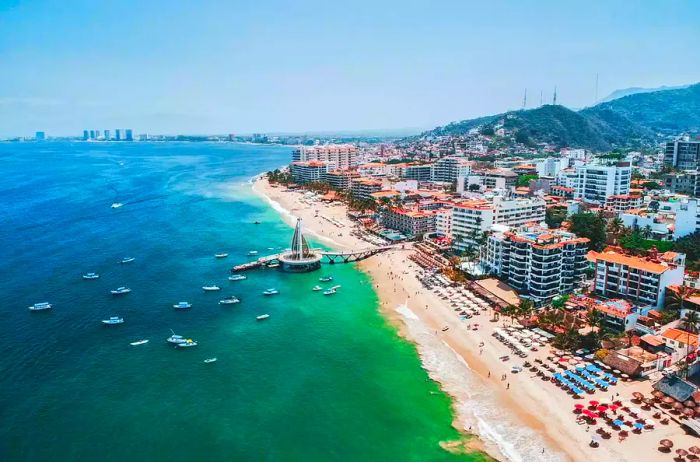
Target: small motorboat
(120, 291)
(116, 205)
(256, 222)
(252, 252)
(210, 288)
(271, 292)
(127, 260)
(113, 320)
(175, 338)
(329, 292)
(91, 276)
(221, 255)
(273, 265)
(209, 360)
(229, 300)
(317, 288)
(41, 306)
(182, 305)
(139, 342)
(237, 277)
(325, 278)
(187, 343)
(262, 317)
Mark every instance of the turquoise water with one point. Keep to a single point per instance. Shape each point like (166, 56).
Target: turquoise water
(324, 378)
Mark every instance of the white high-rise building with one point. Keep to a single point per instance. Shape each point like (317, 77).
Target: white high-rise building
(471, 219)
(448, 169)
(595, 183)
(334, 155)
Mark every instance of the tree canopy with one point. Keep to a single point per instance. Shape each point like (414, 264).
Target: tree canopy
(590, 225)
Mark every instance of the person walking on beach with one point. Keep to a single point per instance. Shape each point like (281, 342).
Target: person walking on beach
(508, 386)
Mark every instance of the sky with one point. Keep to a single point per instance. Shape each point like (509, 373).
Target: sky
(193, 67)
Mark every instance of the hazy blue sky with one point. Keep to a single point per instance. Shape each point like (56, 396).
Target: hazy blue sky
(220, 67)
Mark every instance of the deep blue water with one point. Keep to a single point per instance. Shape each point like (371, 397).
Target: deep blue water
(322, 379)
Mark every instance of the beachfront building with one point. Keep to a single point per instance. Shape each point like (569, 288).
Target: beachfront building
(362, 188)
(308, 171)
(562, 191)
(448, 169)
(642, 280)
(372, 169)
(471, 219)
(411, 222)
(334, 155)
(595, 183)
(443, 222)
(683, 154)
(621, 202)
(538, 262)
(340, 180)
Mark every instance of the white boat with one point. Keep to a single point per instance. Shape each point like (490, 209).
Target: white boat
(175, 339)
(187, 343)
(273, 265)
(113, 320)
(253, 252)
(91, 276)
(127, 260)
(210, 360)
(221, 255)
(41, 306)
(211, 288)
(139, 342)
(317, 288)
(325, 278)
(262, 317)
(237, 277)
(229, 300)
(329, 292)
(116, 205)
(271, 292)
(182, 305)
(120, 291)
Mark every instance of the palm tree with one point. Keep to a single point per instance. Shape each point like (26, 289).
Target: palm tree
(525, 308)
(594, 319)
(616, 229)
(676, 298)
(646, 232)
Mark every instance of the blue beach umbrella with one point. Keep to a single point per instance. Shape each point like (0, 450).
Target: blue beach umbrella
(638, 426)
(618, 422)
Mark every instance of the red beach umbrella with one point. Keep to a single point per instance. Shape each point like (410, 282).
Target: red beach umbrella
(593, 402)
(579, 406)
(602, 408)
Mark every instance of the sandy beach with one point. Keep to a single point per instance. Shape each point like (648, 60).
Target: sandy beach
(519, 418)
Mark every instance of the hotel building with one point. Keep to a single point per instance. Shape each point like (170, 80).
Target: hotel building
(642, 280)
(470, 219)
(362, 188)
(340, 180)
(309, 171)
(448, 169)
(335, 155)
(538, 262)
(595, 183)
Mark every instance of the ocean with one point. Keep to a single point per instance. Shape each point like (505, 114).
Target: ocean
(324, 378)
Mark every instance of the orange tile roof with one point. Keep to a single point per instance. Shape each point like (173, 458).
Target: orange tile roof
(627, 260)
(681, 336)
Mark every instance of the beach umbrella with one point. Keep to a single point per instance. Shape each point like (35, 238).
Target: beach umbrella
(618, 423)
(678, 406)
(579, 406)
(681, 452)
(689, 403)
(614, 407)
(668, 400)
(648, 401)
(638, 395)
(638, 425)
(635, 411)
(594, 403)
(657, 394)
(688, 412)
(666, 443)
(694, 449)
(602, 408)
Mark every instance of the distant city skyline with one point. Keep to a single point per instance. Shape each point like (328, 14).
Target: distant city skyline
(273, 67)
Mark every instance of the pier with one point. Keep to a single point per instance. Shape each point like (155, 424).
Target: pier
(302, 258)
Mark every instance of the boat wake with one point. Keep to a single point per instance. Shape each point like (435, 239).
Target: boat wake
(474, 402)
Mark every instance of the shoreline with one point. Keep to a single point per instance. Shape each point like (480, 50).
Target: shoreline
(517, 419)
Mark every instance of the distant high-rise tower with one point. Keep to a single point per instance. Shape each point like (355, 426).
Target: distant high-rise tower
(554, 98)
(97, 134)
(117, 134)
(40, 136)
(92, 134)
(86, 135)
(107, 138)
(129, 134)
